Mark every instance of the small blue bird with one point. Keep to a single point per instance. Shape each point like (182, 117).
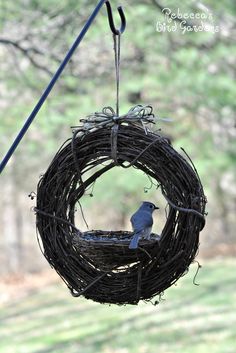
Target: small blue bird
(142, 223)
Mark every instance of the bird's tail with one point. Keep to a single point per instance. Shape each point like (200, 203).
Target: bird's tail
(134, 241)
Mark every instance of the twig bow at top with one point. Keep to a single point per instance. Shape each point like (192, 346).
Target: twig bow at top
(137, 115)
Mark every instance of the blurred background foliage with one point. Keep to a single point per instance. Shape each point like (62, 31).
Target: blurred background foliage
(185, 75)
(188, 77)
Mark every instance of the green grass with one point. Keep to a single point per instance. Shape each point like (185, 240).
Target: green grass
(191, 319)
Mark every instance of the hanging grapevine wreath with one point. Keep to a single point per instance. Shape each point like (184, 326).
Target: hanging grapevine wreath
(98, 264)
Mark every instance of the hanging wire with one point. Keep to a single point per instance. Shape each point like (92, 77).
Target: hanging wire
(116, 39)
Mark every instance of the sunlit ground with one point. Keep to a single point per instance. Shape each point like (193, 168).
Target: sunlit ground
(191, 319)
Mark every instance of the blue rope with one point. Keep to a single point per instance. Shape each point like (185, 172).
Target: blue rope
(50, 86)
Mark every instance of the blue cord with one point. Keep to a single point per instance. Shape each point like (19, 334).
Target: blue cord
(50, 86)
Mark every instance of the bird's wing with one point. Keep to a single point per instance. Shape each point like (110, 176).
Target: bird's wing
(141, 220)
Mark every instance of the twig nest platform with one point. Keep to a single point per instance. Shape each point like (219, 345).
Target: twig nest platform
(99, 264)
(106, 248)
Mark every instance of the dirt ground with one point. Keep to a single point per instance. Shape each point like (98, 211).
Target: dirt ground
(19, 285)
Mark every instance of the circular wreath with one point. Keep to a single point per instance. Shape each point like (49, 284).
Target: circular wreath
(99, 264)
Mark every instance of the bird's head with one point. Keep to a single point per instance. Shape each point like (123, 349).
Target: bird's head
(149, 206)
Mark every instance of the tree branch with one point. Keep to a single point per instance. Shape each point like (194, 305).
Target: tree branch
(26, 52)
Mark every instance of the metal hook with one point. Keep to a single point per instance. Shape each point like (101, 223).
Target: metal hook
(111, 21)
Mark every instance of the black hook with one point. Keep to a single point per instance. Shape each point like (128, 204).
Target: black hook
(111, 21)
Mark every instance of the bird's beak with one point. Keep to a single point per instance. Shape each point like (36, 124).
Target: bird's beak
(156, 208)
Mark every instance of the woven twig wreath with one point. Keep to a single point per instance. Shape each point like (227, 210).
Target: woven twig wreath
(98, 264)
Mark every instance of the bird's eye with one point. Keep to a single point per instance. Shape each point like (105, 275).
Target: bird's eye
(151, 206)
